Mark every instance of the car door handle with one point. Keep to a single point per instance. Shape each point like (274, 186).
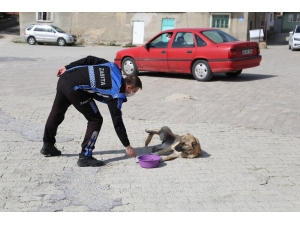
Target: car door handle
(163, 52)
(189, 52)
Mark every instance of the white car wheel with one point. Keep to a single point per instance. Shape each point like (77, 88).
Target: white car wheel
(61, 42)
(31, 40)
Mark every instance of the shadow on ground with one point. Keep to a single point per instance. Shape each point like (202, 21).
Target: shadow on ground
(244, 77)
(139, 151)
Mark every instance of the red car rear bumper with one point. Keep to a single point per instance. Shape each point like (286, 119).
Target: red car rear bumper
(234, 64)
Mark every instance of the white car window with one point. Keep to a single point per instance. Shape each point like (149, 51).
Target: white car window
(40, 29)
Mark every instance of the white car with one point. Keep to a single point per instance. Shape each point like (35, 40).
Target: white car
(42, 33)
(294, 38)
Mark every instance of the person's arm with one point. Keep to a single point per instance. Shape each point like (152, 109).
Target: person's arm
(116, 115)
(89, 60)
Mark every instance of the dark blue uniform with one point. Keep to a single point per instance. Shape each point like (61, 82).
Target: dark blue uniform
(85, 80)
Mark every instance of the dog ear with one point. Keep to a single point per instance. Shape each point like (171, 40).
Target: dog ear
(194, 144)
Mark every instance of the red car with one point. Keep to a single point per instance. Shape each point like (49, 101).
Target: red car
(197, 51)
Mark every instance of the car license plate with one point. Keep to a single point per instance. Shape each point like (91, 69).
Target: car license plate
(247, 51)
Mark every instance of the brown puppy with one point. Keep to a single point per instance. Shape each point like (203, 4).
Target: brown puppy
(185, 146)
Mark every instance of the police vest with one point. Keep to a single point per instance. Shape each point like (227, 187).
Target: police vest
(105, 80)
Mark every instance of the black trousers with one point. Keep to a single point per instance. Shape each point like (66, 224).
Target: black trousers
(83, 102)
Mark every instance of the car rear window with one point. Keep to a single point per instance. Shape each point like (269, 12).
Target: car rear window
(218, 36)
(29, 28)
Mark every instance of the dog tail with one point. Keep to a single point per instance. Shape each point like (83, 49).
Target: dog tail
(148, 139)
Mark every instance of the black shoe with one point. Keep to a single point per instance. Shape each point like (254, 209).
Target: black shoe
(49, 149)
(84, 161)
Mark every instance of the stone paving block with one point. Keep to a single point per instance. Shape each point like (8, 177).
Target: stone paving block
(34, 205)
(223, 207)
(6, 210)
(15, 206)
(75, 209)
(2, 204)
(209, 207)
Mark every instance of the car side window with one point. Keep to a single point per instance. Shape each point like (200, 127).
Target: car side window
(199, 41)
(298, 29)
(159, 42)
(49, 30)
(183, 40)
(40, 29)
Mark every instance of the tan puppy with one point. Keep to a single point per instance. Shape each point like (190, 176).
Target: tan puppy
(185, 146)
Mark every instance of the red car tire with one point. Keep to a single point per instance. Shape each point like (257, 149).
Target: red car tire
(129, 66)
(201, 70)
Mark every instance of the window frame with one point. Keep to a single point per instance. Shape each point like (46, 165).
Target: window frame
(49, 20)
(220, 14)
(293, 16)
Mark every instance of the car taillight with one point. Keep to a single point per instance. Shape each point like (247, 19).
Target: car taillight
(258, 51)
(232, 53)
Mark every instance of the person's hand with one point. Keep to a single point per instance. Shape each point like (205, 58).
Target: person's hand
(130, 151)
(61, 71)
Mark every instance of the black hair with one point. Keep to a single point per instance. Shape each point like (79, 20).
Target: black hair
(133, 81)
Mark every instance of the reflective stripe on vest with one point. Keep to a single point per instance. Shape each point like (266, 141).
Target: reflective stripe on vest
(116, 80)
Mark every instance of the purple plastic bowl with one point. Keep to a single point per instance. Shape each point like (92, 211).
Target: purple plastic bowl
(149, 161)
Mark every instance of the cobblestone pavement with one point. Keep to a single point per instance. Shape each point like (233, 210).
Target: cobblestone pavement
(249, 129)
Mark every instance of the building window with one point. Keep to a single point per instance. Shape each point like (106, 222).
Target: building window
(44, 16)
(220, 20)
(294, 17)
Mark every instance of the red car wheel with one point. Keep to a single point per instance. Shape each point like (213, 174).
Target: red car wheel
(201, 71)
(129, 66)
